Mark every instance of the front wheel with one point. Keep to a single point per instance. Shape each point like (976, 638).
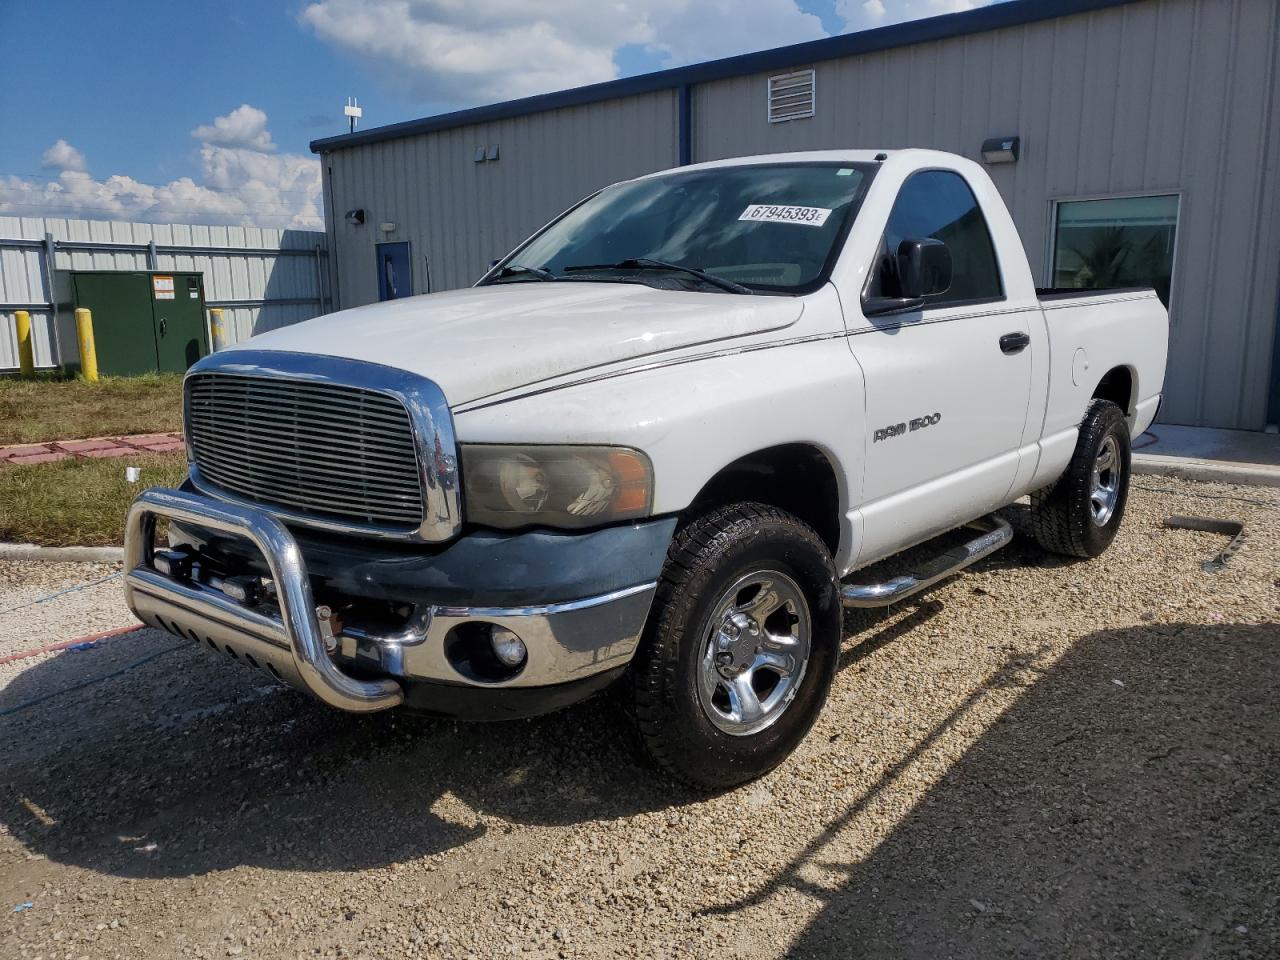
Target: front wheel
(741, 647)
(1080, 515)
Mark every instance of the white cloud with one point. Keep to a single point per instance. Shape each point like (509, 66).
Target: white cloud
(243, 182)
(63, 156)
(864, 14)
(690, 32)
(477, 51)
(244, 127)
(874, 9)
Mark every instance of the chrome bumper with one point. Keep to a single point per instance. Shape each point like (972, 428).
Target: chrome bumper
(565, 641)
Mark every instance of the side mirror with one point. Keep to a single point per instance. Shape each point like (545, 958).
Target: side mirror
(923, 268)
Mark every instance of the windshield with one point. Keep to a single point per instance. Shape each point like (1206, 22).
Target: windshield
(767, 227)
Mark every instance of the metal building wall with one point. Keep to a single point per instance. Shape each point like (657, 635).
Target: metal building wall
(263, 278)
(1164, 96)
(459, 215)
(1154, 96)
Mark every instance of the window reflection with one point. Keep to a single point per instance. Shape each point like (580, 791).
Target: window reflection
(1126, 242)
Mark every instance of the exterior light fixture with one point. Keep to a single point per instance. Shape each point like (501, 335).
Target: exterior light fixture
(1001, 150)
(355, 217)
(507, 647)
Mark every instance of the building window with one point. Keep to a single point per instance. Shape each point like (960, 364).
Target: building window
(1125, 242)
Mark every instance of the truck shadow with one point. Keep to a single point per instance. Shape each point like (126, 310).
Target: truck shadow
(152, 757)
(187, 764)
(1125, 805)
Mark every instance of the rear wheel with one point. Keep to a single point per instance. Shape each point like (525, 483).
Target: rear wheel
(1080, 515)
(741, 648)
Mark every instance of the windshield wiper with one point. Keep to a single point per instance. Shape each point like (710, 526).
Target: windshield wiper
(648, 263)
(519, 269)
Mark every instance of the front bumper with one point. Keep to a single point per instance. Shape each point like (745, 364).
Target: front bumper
(353, 668)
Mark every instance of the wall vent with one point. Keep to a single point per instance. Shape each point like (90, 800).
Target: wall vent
(792, 96)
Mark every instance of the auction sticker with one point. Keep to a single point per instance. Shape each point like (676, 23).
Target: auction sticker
(771, 213)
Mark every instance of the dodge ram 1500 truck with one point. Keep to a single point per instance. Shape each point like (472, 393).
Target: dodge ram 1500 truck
(650, 449)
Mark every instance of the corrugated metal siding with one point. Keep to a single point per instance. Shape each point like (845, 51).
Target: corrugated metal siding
(1156, 96)
(253, 275)
(1175, 96)
(22, 281)
(458, 215)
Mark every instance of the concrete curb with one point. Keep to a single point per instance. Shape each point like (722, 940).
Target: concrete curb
(1206, 471)
(33, 551)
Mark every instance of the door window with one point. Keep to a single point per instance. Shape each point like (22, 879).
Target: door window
(1125, 242)
(938, 204)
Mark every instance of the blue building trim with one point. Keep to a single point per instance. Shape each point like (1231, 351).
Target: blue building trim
(1010, 13)
(685, 95)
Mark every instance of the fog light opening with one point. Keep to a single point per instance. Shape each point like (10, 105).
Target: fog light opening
(507, 646)
(485, 652)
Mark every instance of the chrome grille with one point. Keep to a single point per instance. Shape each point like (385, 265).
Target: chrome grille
(333, 452)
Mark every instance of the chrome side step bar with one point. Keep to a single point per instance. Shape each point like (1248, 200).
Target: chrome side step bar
(995, 533)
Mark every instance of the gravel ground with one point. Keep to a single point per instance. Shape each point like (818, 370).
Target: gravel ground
(1038, 758)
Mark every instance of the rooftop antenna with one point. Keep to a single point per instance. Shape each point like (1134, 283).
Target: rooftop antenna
(352, 112)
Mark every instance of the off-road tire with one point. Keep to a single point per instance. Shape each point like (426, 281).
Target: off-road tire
(1061, 515)
(705, 558)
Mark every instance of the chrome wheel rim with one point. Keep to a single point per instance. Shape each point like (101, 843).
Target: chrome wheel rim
(755, 651)
(1104, 488)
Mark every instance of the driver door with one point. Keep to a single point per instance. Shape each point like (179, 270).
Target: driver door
(946, 403)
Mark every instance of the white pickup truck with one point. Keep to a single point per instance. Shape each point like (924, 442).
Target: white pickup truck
(649, 450)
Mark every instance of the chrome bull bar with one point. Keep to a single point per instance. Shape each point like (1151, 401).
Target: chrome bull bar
(291, 648)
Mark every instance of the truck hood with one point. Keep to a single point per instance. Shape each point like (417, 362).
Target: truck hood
(486, 340)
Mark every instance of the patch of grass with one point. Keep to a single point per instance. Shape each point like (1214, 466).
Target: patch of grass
(78, 502)
(53, 408)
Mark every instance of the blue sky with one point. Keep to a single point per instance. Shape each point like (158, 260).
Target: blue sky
(202, 112)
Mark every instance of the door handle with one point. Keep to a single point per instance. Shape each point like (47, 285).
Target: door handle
(164, 327)
(1012, 343)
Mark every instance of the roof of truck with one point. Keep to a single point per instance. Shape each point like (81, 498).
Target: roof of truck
(860, 156)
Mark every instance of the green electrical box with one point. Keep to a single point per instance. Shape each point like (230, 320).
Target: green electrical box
(143, 321)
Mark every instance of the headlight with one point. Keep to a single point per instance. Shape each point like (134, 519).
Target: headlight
(510, 486)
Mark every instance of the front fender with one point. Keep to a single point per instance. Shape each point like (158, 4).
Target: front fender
(693, 417)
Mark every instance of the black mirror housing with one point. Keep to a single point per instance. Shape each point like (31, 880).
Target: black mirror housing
(924, 268)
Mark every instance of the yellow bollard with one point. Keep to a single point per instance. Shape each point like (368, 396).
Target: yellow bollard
(215, 322)
(26, 353)
(88, 352)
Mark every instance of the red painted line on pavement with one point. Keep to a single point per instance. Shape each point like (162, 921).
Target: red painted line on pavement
(62, 645)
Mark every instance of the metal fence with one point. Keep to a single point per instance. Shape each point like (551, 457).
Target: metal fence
(261, 278)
